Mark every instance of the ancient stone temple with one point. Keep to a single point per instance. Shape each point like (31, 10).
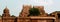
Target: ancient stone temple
(24, 15)
(6, 12)
(6, 16)
(56, 14)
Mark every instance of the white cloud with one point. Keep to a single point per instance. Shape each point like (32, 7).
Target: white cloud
(40, 2)
(50, 2)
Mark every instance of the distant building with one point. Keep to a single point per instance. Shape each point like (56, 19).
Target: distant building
(23, 16)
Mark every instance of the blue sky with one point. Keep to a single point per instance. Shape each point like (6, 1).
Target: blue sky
(15, 6)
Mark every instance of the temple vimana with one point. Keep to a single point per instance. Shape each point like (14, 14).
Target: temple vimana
(26, 15)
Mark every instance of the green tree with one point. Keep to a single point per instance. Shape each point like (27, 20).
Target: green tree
(12, 16)
(34, 12)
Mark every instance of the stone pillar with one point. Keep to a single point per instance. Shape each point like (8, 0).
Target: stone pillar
(54, 14)
(0, 18)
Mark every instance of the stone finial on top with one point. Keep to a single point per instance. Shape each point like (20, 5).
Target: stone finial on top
(6, 8)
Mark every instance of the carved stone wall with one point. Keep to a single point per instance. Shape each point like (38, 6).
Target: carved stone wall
(23, 19)
(8, 19)
(36, 19)
(0, 19)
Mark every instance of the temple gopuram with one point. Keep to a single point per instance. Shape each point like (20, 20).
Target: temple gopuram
(26, 16)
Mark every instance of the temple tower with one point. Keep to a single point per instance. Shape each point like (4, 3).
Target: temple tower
(25, 10)
(6, 12)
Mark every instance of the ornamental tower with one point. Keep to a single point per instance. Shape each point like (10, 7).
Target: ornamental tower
(25, 10)
(6, 12)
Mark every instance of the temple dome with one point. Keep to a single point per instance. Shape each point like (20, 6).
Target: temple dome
(6, 10)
